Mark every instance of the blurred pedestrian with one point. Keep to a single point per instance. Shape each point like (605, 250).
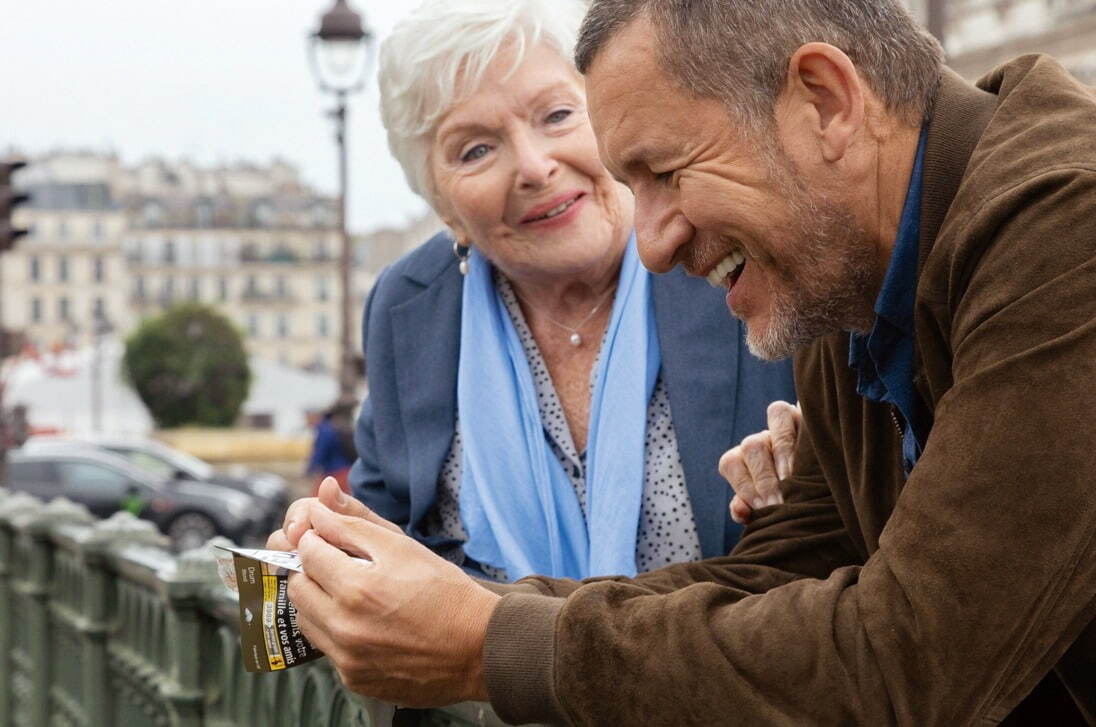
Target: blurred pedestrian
(333, 447)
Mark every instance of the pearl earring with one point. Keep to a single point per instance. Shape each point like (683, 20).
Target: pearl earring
(461, 251)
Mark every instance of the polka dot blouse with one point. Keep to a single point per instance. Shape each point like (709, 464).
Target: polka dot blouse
(667, 530)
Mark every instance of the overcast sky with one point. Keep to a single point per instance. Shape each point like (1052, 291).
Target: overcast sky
(210, 80)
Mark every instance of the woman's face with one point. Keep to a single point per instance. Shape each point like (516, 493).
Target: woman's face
(517, 174)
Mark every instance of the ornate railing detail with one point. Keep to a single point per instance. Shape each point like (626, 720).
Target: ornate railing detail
(101, 625)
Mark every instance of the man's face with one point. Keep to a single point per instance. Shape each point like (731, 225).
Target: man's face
(727, 205)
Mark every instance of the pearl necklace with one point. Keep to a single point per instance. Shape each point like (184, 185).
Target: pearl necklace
(574, 338)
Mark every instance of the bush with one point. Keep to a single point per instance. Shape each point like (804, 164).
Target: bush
(189, 366)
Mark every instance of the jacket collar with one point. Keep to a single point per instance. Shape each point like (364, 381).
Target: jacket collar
(426, 268)
(959, 118)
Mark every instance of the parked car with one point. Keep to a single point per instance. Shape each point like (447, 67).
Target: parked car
(173, 464)
(187, 511)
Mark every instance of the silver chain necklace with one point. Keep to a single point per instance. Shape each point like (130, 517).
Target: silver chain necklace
(575, 338)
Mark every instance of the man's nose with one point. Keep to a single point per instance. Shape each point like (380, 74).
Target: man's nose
(661, 231)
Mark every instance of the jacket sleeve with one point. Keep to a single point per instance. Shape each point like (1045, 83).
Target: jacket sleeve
(985, 572)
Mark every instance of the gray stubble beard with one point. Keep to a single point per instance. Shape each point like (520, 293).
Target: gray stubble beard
(833, 282)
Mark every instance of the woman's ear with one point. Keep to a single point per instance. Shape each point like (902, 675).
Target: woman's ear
(456, 230)
(823, 98)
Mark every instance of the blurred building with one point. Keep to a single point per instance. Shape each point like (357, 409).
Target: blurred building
(981, 34)
(111, 244)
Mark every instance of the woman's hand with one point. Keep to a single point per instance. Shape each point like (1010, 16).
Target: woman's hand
(756, 466)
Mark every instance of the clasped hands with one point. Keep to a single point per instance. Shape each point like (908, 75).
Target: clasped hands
(756, 467)
(407, 628)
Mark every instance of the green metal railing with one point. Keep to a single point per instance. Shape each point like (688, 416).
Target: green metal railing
(100, 626)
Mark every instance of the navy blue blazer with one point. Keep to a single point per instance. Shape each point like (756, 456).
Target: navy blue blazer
(411, 332)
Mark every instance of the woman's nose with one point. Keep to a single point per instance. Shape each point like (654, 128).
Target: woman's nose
(536, 163)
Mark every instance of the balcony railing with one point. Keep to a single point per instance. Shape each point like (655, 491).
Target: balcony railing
(100, 625)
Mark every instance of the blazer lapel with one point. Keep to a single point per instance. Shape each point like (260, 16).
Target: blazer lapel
(700, 355)
(427, 344)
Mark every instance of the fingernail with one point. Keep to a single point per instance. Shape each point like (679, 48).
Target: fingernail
(340, 498)
(289, 528)
(782, 468)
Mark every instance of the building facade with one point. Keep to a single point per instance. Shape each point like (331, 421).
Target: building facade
(981, 34)
(110, 245)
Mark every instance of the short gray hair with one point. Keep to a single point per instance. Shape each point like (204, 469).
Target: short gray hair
(437, 56)
(737, 51)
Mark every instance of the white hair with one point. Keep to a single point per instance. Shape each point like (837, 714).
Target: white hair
(437, 56)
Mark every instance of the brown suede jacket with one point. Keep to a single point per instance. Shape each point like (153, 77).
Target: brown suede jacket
(867, 598)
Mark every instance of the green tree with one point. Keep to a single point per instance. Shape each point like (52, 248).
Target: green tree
(189, 366)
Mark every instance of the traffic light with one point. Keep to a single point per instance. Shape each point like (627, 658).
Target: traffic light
(9, 198)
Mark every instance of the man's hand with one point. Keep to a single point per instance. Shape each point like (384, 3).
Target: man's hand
(756, 466)
(298, 518)
(407, 629)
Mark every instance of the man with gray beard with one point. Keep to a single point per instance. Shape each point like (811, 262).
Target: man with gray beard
(927, 250)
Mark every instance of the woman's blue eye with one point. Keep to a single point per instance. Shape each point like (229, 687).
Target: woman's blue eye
(559, 115)
(474, 153)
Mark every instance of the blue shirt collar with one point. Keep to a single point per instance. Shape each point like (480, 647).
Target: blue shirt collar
(899, 292)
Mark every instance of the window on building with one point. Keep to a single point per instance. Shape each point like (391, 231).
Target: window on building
(204, 213)
(35, 310)
(131, 248)
(251, 288)
(280, 287)
(97, 231)
(323, 288)
(195, 289)
(322, 325)
(98, 309)
(62, 230)
(263, 214)
(35, 269)
(98, 272)
(283, 325)
(62, 269)
(222, 288)
(253, 325)
(170, 253)
(63, 309)
(152, 214)
(139, 290)
(167, 292)
(319, 250)
(321, 217)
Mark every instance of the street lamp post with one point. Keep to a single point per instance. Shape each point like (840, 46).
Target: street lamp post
(101, 327)
(936, 18)
(341, 53)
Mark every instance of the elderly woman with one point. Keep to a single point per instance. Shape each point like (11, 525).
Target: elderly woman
(539, 403)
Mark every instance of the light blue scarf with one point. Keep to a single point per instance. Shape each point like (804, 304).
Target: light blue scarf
(517, 504)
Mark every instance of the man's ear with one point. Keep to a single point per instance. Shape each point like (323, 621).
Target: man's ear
(824, 97)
